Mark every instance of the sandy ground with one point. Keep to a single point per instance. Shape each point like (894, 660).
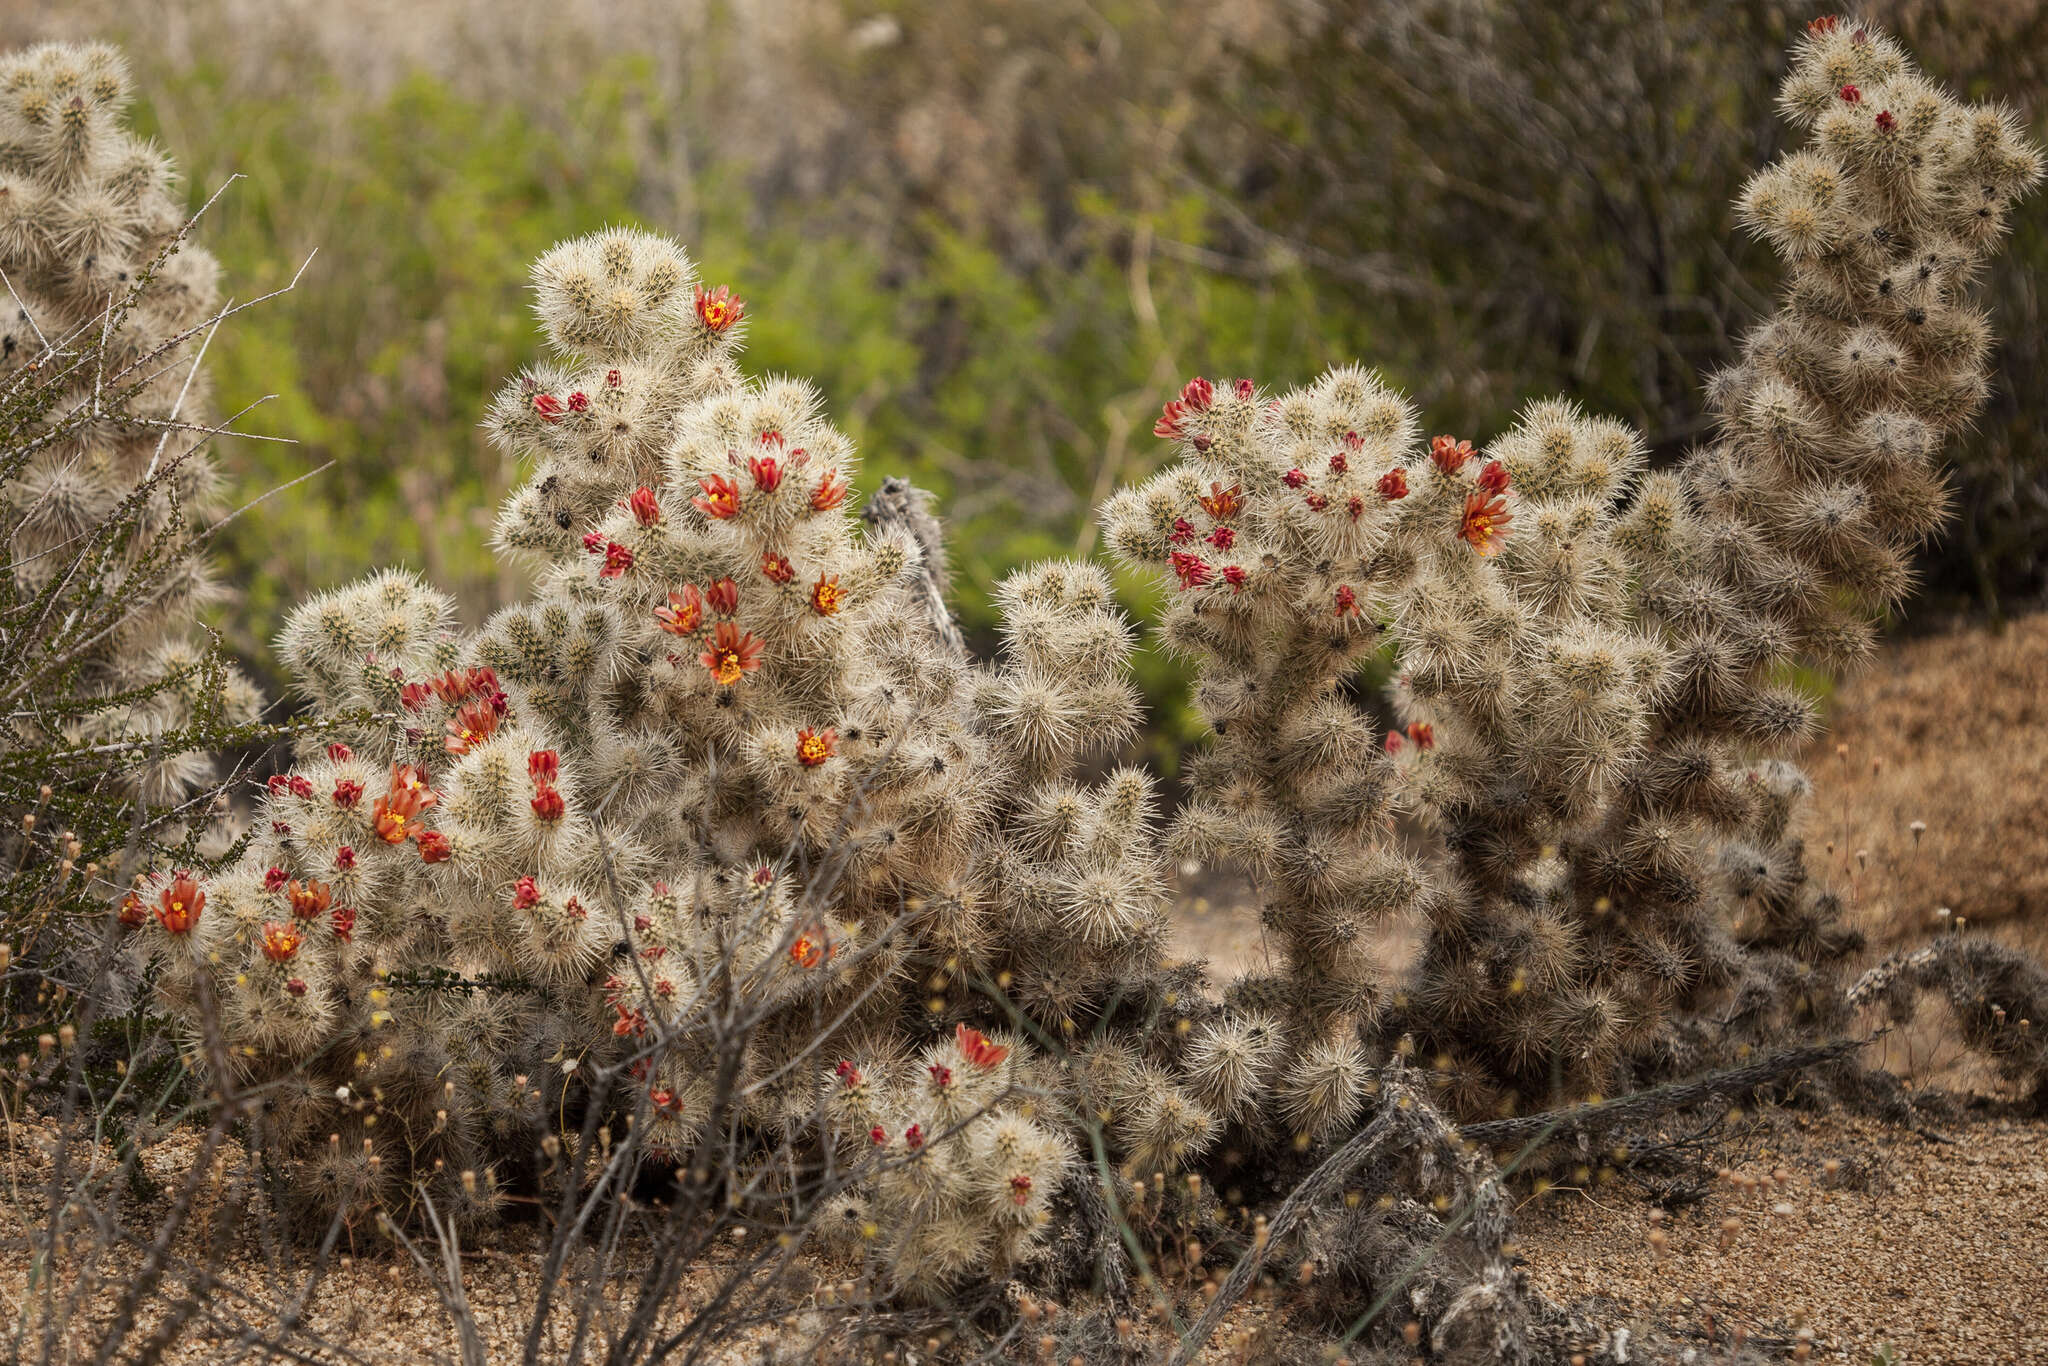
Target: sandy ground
(1935, 1250)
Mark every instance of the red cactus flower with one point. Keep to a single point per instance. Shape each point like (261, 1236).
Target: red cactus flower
(611, 379)
(347, 792)
(1485, 523)
(941, 1074)
(1192, 570)
(575, 909)
(762, 878)
(827, 596)
(309, 899)
(280, 941)
(1347, 600)
(345, 858)
(525, 894)
(1234, 576)
(1395, 744)
(301, 787)
(1423, 734)
(593, 543)
(1493, 479)
(814, 747)
(274, 879)
(1294, 479)
(295, 986)
(543, 766)
(1826, 23)
(1449, 454)
(1394, 484)
(1198, 394)
(434, 847)
(1222, 503)
(548, 805)
(340, 753)
(475, 723)
(767, 471)
(731, 655)
(579, 401)
(1339, 464)
(830, 492)
(548, 406)
(776, 568)
(179, 905)
(1020, 1189)
(617, 560)
(276, 783)
(413, 696)
(1885, 122)
(1850, 95)
(1355, 505)
(344, 922)
(975, 1047)
(721, 497)
(1316, 502)
(133, 912)
(723, 597)
(1243, 389)
(878, 1136)
(683, 613)
(1223, 537)
(914, 1136)
(1183, 532)
(718, 309)
(645, 506)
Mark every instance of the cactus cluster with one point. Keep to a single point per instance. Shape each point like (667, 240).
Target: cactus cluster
(100, 321)
(726, 753)
(725, 810)
(1592, 659)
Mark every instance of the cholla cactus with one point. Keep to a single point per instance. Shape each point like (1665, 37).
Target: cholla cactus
(102, 305)
(726, 764)
(1590, 657)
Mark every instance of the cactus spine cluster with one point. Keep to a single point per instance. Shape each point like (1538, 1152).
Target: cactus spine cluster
(99, 316)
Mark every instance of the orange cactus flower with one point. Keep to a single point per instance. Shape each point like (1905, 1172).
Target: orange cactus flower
(645, 506)
(685, 611)
(718, 309)
(475, 723)
(179, 905)
(1485, 523)
(720, 499)
(1449, 454)
(434, 847)
(1493, 479)
(723, 597)
(309, 899)
(777, 568)
(810, 947)
(830, 492)
(1423, 734)
(732, 654)
(827, 596)
(133, 912)
(814, 747)
(280, 941)
(1222, 503)
(393, 812)
(975, 1047)
(1394, 484)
